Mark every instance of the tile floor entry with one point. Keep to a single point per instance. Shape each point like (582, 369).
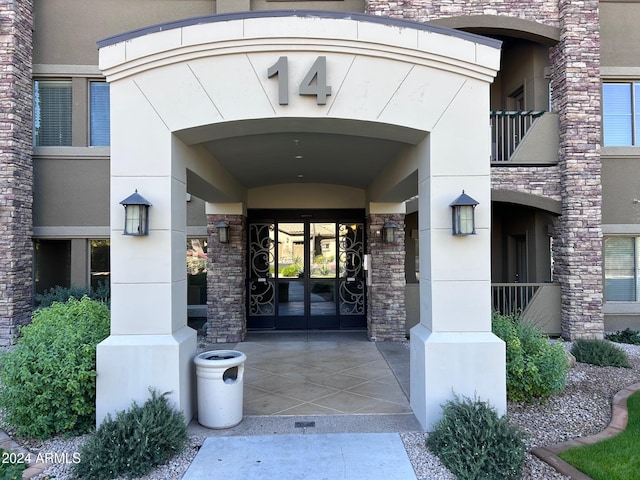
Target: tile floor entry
(315, 373)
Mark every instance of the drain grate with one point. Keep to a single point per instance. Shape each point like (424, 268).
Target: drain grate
(305, 424)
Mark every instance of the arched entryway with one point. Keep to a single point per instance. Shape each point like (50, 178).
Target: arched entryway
(384, 109)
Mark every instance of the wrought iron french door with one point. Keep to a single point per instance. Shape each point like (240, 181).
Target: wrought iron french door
(306, 274)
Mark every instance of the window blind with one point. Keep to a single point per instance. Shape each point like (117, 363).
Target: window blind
(617, 114)
(620, 269)
(52, 113)
(99, 121)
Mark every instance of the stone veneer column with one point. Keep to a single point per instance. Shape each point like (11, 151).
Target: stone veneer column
(578, 236)
(226, 306)
(16, 166)
(387, 312)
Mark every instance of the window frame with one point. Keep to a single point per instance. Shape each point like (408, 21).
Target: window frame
(90, 116)
(634, 267)
(38, 117)
(633, 112)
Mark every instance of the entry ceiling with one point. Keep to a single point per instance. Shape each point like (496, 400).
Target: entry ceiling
(261, 152)
(302, 157)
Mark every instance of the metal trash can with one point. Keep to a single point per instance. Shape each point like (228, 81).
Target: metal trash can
(219, 379)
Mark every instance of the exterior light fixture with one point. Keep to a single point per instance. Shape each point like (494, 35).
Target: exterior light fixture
(463, 220)
(223, 231)
(136, 215)
(389, 232)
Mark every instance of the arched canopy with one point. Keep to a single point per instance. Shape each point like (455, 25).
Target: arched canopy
(527, 199)
(206, 80)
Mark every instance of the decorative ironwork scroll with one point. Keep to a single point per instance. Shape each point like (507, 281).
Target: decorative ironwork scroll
(352, 275)
(261, 263)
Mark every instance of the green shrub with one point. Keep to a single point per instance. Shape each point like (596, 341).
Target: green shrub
(291, 270)
(625, 336)
(11, 466)
(535, 367)
(62, 294)
(599, 352)
(474, 443)
(48, 380)
(134, 442)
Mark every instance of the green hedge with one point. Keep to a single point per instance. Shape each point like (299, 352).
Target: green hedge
(474, 443)
(625, 336)
(599, 352)
(535, 367)
(49, 378)
(134, 442)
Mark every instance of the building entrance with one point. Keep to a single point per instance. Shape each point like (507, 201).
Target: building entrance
(306, 270)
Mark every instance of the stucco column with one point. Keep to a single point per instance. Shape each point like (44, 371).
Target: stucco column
(226, 273)
(16, 168)
(150, 343)
(386, 311)
(452, 349)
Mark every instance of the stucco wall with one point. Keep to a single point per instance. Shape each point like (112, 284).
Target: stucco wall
(619, 29)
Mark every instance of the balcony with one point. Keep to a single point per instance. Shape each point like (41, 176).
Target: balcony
(537, 303)
(524, 137)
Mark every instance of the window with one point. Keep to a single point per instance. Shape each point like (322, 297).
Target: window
(621, 113)
(621, 262)
(52, 264)
(99, 101)
(52, 107)
(100, 264)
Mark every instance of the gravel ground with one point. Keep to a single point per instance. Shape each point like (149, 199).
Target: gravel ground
(584, 408)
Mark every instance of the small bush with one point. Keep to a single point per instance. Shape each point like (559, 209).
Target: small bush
(535, 367)
(62, 294)
(625, 336)
(134, 442)
(48, 380)
(475, 444)
(599, 352)
(10, 469)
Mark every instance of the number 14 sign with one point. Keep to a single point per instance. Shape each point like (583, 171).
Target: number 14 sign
(317, 72)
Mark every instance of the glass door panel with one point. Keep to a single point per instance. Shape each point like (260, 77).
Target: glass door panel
(322, 250)
(291, 298)
(291, 275)
(323, 273)
(290, 250)
(322, 297)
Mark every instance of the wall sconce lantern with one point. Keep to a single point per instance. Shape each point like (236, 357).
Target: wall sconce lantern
(136, 215)
(463, 221)
(389, 232)
(223, 231)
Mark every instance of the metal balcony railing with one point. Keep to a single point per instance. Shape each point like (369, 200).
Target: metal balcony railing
(512, 298)
(508, 128)
(535, 303)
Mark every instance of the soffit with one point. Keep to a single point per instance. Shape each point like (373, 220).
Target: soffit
(303, 157)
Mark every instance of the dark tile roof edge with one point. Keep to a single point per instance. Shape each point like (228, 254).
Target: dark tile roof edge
(362, 17)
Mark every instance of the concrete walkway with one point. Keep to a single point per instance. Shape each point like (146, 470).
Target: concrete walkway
(352, 456)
